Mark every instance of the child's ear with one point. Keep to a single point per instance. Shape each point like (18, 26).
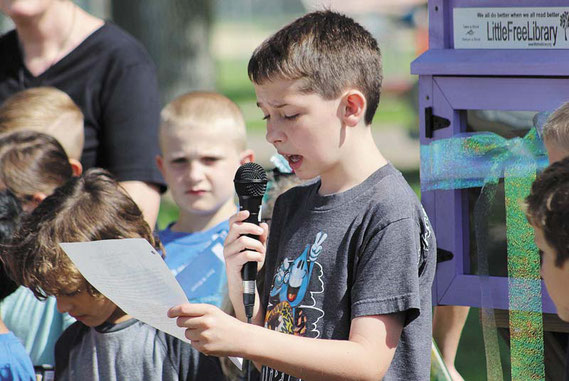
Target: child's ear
(353, 107)
(160, 163)
(247, 156)
(36, 199)
(76, 167)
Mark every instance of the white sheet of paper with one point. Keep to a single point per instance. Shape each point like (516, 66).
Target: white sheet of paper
(134, 276)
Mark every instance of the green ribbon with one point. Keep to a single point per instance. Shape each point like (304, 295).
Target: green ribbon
(480, 160)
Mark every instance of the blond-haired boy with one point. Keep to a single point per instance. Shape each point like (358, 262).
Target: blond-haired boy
(203, 143)
(555, 133)
(47, 110)
(351, 255)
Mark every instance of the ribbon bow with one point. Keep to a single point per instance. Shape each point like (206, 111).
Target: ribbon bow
(480, 160)
(474, 159)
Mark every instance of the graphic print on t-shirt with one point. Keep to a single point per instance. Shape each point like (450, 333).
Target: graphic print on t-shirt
(292, 307)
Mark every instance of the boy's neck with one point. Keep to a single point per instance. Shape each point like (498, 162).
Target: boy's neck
(118, 316)
(193, 222)
(360, 158)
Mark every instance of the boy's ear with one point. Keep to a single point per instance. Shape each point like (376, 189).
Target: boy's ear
(37, 198)
(76, 167)
(353, 107)
(160, 163)
(246, 156)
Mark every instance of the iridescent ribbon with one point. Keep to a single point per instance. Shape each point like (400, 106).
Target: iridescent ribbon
(480, 160)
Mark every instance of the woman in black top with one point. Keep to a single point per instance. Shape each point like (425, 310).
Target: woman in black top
(105, 71)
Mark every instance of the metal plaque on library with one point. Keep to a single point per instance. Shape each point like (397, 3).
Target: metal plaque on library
(511, 28)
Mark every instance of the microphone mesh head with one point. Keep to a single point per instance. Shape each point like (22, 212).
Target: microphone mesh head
(250, 180)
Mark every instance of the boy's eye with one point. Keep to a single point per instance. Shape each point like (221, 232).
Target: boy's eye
(210, 160)
(291, 117)
(181, 160)
(266, 117)
(540, 256)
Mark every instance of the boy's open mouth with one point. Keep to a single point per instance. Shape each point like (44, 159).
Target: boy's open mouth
(294, 161)
(294, 158)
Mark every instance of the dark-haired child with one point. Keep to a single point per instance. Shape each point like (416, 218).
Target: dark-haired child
(548, 213)
(32, 165)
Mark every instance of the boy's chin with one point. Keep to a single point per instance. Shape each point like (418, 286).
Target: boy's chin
(202, 212)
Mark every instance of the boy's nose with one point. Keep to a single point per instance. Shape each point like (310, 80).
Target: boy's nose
(195, 172)
(62, 304)
(274, 134)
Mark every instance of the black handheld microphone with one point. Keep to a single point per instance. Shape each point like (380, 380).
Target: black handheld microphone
(250, 184)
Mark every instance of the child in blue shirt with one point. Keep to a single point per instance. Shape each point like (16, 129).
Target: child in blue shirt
(202, 142)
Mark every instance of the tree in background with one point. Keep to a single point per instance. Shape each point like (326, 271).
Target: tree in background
(177, 36)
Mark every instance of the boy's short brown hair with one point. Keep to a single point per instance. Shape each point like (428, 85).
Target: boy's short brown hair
(548, 207)
(203, 109)
(556, 128)
(47, 110)
(32, 162)
(329, 51)
(87, 208)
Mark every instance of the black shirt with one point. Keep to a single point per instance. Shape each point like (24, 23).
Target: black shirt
(111, 77)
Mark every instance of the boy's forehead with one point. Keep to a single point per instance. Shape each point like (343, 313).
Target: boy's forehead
(275, 93)
(197, 141)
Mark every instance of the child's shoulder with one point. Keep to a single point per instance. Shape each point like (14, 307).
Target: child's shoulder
(388, 197)
(169, 235)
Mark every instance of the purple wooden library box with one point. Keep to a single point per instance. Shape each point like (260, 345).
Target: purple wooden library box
(491, 66)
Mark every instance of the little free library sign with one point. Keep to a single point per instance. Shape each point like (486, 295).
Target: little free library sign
(511, 28)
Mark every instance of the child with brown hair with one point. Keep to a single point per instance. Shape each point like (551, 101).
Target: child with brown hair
(351, 255)
(32, 165)
(105, 343)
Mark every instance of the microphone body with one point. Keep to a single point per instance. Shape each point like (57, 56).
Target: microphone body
(249, 270)
(250, 185)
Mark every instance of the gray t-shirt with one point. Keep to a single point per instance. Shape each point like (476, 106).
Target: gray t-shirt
(367, 251)
(130, 350)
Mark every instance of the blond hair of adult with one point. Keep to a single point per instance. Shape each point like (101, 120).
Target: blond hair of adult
(201, 110)
(47, 110)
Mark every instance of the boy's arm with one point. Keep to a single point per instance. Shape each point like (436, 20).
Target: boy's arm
(366, 355)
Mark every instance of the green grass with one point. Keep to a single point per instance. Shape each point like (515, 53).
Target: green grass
(168, 213)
